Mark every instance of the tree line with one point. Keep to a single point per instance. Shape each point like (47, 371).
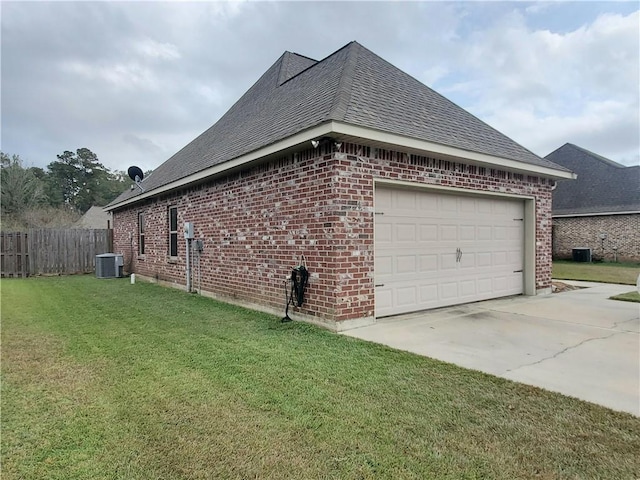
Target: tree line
(57, 196)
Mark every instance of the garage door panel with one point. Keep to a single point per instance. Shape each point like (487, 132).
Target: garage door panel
(384, 265)
(428, 232)
(383, 233)
(467, 233)
(405, 232)
(484, 285)
(499, 207)
(406, 264)
(500, 284)
(514, 257)
(407, 296)
(448, 203)
(405, 200)
(484, 259)
(499, 258)
(468, 260)
(429, 294)
(384, 301)
(499, 232)
(485, 207)
(384, 199)
(468, 288)
(467, 205)
(449, 290)
(448, 261)
(418, 238)
(484, 232)
(448, 232)
(515, 232)
(428, 263)
(429, 204)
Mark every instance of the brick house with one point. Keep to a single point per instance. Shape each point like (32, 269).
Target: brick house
(600, 210)
(398, 199)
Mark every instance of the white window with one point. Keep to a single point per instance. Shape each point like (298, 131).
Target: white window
(173, 231)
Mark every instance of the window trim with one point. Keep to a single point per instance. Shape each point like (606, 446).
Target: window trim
(141, 233)
(173, 232)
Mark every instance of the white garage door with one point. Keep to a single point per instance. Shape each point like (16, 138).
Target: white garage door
(439, 249)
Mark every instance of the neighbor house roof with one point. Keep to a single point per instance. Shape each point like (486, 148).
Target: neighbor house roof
(95, 217)
(603, 186)
(352, 94)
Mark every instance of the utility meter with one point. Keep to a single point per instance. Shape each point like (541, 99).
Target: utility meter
(188, 230)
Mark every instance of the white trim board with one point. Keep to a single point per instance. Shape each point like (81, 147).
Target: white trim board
(361, 134)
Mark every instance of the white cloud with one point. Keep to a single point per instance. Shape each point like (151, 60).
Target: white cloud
(157, 50)
(135, 82)
(128, 76)
(607, 125)
(545, 89)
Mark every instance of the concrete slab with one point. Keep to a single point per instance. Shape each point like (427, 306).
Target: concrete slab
(589, 306)
(578, 343)
(580, 371)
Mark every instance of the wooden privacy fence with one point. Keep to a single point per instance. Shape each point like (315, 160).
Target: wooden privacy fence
(48, 251)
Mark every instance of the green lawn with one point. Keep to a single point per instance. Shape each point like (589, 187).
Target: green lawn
(633, 296)
(624, 273)
(106, 380)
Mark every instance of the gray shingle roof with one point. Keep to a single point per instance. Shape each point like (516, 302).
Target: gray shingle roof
(602, 186)
(352, 85)
(292, 64)
(95, 217)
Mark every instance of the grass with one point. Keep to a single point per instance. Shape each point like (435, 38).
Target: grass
(106, 380)
(628, 297)
(622, 273)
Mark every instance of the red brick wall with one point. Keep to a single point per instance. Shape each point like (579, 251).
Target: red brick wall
(256, 225)
(622, 240)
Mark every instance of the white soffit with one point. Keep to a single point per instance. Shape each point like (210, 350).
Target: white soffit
(464, 156)
(357, 135)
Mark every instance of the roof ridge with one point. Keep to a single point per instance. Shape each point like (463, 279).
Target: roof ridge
(301, 56)
(284, 73)
(317, 61)
(606, 160)
(343, 92)
(284, 65)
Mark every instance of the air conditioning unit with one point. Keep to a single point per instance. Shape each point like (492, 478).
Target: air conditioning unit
(109, 265)
(581, 254)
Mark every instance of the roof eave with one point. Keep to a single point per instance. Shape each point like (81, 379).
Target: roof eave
(289, 142)
(418, 145)
(594, 214)
(384, 139)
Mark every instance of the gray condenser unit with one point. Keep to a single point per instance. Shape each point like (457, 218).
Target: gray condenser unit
(109, 265)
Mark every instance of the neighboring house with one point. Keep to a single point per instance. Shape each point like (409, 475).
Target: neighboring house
(95, 218)
(398, 199)
(600, 210)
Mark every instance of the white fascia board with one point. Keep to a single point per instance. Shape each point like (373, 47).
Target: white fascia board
(333, 127)
(599, 214)
(301, 137)
(423, 145)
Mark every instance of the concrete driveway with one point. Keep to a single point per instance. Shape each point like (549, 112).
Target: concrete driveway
(578, 343)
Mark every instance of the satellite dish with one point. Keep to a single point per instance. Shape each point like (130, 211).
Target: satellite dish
(135, 173)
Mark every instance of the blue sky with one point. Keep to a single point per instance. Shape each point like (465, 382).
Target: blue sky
(135, 82)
